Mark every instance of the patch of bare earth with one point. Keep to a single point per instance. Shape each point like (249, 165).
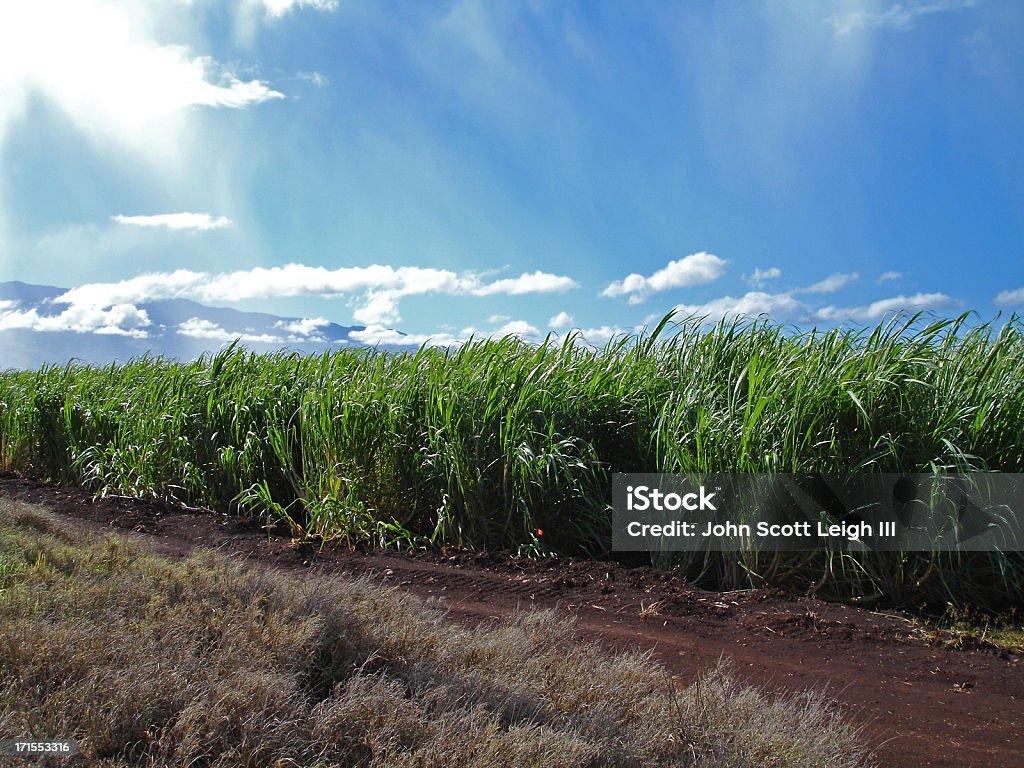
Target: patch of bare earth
(918, 701)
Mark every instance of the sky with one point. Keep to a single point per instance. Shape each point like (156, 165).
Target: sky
(479, 168)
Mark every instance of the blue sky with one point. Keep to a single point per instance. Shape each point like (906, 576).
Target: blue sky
(483, 167)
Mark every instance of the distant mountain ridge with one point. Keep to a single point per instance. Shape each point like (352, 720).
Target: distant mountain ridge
(177, 328)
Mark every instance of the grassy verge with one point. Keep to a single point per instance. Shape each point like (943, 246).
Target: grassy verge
(145, 661)
(958, 630)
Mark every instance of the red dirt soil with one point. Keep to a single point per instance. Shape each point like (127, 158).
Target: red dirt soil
(919, 701)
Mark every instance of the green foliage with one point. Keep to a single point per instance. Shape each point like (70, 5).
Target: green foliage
(489, 443)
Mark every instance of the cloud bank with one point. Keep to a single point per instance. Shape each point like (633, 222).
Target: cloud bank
(378, 288)
(784, 307)
(119, 319)
(751, 304)
(832, 283)
(876, 310)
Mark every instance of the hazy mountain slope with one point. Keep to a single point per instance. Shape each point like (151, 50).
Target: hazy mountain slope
(177, 328)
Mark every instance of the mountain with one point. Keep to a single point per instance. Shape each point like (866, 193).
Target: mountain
(35, 329)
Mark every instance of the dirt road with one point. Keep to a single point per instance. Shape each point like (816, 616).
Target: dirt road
(919, 702)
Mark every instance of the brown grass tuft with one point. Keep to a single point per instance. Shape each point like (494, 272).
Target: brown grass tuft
(209, 662)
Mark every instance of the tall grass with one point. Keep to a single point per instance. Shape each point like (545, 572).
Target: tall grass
(488, 444)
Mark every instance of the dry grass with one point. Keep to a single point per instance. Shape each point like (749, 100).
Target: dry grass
(208, 662)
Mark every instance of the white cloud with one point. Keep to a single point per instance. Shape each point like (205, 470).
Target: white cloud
(383, 286)
(161, 285)
(306, 327)
(561, 320)
(759, 276)
(832, 283)
(250, 17)
(784, 307)
(1013, 298)
(378, 288)
(695, 269)
(897, 17)
(275, 9)
(378, 307)
(101, 64)
(375, 335)
(601, 336)
(302, 280)
(878, 309)
(200, 221)
(887, 276)
(388, 337)
(535, 282)
(564, 323)
(753, 304)
(519, 328)
(120, 319)
(198, 328)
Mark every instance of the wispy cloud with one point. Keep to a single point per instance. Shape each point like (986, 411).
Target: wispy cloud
(877, 310)
(379, 287)
(886, 277)
(199, 221)
(319, 79)
(473, 50)
(1014, 298)
(898, 17)
(759, 277)
(831, 284)
(695, 269)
